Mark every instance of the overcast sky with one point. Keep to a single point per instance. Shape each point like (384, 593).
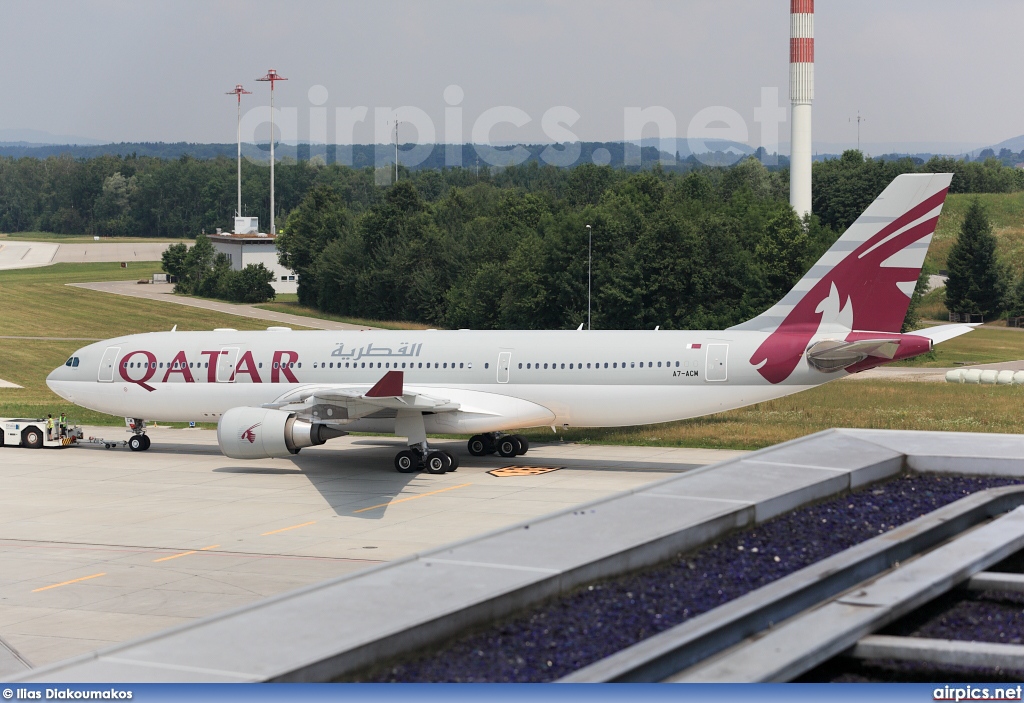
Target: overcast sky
(918, 70)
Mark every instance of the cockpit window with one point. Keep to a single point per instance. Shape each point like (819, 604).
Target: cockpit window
(74, 362)
(68, 362)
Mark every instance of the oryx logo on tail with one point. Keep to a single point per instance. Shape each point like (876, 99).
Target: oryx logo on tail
(862, 283)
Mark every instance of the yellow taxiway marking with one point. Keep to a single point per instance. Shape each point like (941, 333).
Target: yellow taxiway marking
(285, 529)
(419, 495)
(185, 554)
(175, 556)
(65, 583)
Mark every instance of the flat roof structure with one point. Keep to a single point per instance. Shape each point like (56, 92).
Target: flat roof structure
(326, 630)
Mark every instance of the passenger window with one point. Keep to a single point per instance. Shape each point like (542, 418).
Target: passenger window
(521, 366)
(420, 365)
(632, 364)
(659, 364)
(487, 365)
(615, 365)
(461, 365)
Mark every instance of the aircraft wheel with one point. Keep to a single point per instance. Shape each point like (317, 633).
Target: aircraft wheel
(478, 445)
(146, 442)
(407, 461)
(137, 443)
(437, 463)
(508, 447)
(455, 461)
(523, 444)
(32, 438)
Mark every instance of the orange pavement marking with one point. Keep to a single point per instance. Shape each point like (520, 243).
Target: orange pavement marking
(285, 529)
(185, 554)
(175, 556)
(522, 470)
(420, 495)
(65, 583)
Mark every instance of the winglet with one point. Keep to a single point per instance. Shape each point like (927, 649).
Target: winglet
(389, 386)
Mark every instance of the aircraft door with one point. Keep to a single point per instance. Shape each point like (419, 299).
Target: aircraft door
(717, 364)
(106, 372)
(504, 362)
(226, 364)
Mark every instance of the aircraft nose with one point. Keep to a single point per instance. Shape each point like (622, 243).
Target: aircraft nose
(55, 381)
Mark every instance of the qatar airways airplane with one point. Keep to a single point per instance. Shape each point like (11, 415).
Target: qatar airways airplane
(277, 391)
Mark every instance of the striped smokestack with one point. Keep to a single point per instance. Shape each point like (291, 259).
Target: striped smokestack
(801, 93)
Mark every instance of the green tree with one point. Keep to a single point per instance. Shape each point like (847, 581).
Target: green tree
(320, 219)
(1015, 303)
(780, 254)
(252, 284)
(976, 282)
(173, 259)
(196, 267)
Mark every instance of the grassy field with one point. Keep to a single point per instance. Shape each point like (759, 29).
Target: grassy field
(1005, 211)
(77, 238)
(944, 407)
(37, 303)
(288, 303)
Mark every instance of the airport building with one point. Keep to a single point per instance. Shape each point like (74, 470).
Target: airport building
(247, 245)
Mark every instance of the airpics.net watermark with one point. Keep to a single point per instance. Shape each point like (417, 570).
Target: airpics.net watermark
(710, 132)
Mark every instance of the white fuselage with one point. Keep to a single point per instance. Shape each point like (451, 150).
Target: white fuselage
(501, 380)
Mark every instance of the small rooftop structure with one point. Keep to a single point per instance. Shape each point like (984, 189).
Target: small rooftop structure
(247, 245)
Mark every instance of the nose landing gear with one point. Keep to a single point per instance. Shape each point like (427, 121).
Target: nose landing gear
(139, 441)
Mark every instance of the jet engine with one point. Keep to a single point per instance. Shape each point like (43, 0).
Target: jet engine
(261, 433)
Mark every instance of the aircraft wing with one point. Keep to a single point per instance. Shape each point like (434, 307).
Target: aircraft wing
(944, 333)
(327, 403)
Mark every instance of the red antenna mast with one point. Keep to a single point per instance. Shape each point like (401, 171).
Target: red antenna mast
(272, 77)
(239, 91)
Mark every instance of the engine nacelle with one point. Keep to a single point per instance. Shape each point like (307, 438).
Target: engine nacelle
(261, 433)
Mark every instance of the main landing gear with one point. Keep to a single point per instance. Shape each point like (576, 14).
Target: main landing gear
(419, 455)
(422, 457)
(509, 446)
(139, 441)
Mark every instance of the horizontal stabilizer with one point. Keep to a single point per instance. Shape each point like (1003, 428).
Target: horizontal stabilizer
(944, 333)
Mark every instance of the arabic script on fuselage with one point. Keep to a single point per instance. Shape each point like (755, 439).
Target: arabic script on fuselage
(406, 350)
